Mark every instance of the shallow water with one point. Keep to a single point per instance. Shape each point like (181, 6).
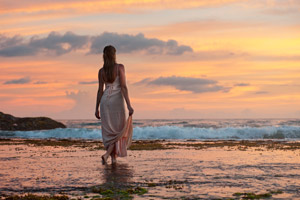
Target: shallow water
(207, 173)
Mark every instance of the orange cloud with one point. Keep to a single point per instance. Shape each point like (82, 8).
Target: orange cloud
(79, 6)
(205, 25)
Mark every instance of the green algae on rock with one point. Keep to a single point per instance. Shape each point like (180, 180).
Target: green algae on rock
(147, 145)
(118, 193)
(94, 145)
(252, 195)
(35, 197)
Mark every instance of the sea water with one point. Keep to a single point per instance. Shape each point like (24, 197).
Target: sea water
(150, 129)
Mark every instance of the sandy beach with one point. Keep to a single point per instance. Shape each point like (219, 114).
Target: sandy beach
(161, 169)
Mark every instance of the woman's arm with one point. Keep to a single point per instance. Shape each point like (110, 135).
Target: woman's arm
(124, 88)
(99, 93)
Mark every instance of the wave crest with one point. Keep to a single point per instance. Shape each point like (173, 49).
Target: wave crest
(168, 132)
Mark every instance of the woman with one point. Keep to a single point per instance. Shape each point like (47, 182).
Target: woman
(116, 129)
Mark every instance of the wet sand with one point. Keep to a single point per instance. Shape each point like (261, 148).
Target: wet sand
(153, 170)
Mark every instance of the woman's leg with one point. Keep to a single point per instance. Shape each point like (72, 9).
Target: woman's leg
(108, 152)
(113, 155)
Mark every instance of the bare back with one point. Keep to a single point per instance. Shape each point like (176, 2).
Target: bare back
(103, 75)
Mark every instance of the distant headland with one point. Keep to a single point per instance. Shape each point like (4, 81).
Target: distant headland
(11, 123)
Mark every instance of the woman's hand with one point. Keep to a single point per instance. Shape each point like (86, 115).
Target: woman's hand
(130, 109)
(97, 114)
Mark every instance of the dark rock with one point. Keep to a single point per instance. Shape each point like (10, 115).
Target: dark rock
(11, 123)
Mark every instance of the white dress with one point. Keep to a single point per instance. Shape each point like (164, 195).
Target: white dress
(115, 127)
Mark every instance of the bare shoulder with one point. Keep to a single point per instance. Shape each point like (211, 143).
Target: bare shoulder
(121, 67)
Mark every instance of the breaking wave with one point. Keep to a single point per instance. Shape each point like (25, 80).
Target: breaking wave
(168, 132)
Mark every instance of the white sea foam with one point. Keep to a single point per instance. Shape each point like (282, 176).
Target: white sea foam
(169, 132)
(76, 133)
(174, 132)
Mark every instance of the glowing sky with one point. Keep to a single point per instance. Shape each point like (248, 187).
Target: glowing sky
(183, 59)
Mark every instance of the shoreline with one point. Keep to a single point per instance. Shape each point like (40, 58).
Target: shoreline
(266, 144)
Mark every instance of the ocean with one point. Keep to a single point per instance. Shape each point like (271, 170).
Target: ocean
(200, 129)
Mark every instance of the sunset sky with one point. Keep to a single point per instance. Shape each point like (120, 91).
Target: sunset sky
(183, 59)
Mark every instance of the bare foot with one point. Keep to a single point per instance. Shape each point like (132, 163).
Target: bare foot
(104, 160)
(113, 160)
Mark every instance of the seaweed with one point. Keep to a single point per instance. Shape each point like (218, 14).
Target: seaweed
(252, 195)
(94, 145)
(125, 192)
(35, 197)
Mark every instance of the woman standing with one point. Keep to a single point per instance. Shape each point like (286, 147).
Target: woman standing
(116, 129)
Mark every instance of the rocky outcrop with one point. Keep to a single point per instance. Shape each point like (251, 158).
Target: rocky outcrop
(11, 123)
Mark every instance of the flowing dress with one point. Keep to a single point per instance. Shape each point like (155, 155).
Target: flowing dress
(116, 129)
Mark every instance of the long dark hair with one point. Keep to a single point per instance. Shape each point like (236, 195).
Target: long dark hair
(109, 58)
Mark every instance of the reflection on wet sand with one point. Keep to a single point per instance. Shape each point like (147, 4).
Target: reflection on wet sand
(116, 174)
(189, 171)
